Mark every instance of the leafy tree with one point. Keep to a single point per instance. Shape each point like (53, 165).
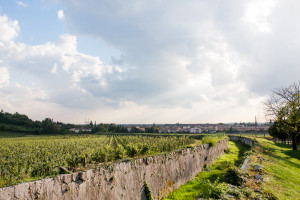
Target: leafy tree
(91, 124)
(135, 130)
(152, 129)
(49, 127)
(284, 106)
(279, 130)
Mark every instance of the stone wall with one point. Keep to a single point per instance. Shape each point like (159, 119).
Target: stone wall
(122, 180)
(244, 140)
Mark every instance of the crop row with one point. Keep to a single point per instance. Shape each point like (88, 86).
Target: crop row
(31, 158)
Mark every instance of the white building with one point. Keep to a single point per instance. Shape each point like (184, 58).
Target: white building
(195, 130)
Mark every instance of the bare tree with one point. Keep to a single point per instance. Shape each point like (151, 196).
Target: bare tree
(284, 106)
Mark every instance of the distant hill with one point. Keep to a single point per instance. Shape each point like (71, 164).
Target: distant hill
(20, 124)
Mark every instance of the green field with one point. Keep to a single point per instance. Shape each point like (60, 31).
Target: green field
(281, 169)
(30, 158)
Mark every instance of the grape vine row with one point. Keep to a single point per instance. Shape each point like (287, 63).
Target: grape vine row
(32, 158)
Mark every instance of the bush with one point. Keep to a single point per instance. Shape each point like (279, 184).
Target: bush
(233, 176)
(213, 139)
(214, 190)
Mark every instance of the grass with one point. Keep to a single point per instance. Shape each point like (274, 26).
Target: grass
(281, 169)
(202, 183)
(12, 134)
(257, 135)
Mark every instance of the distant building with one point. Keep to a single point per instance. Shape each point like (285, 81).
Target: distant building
(195, 130)
(84, 129)
(75, 130)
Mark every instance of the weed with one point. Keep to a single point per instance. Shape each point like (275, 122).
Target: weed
(147, 191)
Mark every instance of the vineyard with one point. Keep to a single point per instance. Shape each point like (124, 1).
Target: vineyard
(31, 158)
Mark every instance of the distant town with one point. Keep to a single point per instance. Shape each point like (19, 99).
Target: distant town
(20, 123)
(185, 128)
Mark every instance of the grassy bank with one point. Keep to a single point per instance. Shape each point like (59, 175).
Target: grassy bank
(281, 169)
(211, 182)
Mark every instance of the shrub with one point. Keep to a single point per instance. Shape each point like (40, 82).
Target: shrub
(147, 191)
(214, 190)
(213, 139)
(233, 176)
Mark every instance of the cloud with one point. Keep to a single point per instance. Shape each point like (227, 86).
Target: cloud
(60, 14)
(186, 59)
(4, 77)
(57, 70)
(9, 29)
(257, 12)
(166, 42)
(169, 50)
(21, 3)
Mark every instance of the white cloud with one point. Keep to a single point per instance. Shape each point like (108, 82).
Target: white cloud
(61, 73)
(4, 77)
(9, 29)
(54, 69)
(166, 47)
(21, 3)
(60, 14)
(257, 13)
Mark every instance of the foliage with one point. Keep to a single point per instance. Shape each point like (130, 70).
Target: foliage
(279, 130)
(213, 139)
(109, 128)
(284, 105)
(16, 118)
(147, 191)
(19, 123)
(214, 190)
(28, 158)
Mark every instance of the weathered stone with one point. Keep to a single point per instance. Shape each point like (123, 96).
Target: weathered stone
(7, 193)
(23, 191)
(81, 176)
(245, 165)
(244, 140)
(67, 178)
(258, 177)
(74, 176)
(257, 168)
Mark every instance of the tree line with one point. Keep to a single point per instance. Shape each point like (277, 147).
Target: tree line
(21, 123)
(115, 128)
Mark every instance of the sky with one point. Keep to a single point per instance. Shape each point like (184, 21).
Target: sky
(139, 61)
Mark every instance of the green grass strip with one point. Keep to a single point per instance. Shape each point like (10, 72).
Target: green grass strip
(282, 169)
(215, 173)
